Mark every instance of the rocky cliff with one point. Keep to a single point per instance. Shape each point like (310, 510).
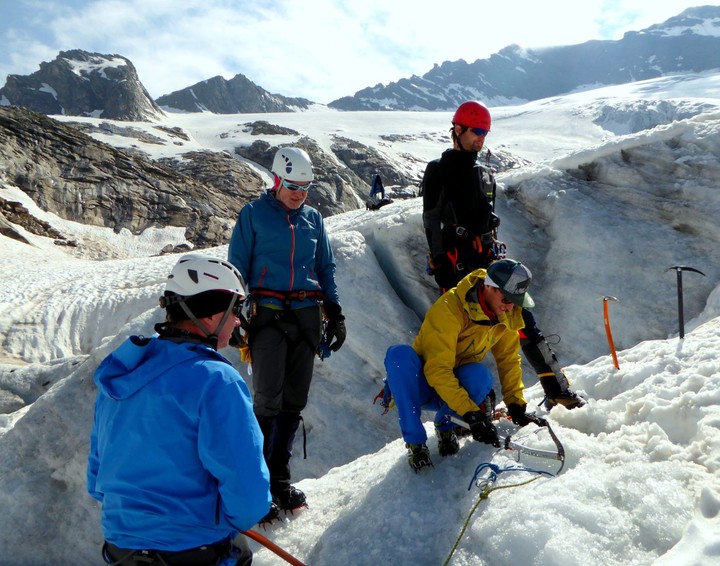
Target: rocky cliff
(78, 178)
(78, 83)
(73, 175)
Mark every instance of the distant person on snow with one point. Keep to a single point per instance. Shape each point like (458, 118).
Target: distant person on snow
(442, 371)
(377, 191)
(280, 246)
(377, 194)
(460, 225)
(176, 451)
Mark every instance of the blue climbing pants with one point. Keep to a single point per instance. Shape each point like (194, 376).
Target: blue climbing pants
(412, 394)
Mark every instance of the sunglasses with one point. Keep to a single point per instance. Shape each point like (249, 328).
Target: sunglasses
(479, 131)
(238, 307)
(504, 300)
(290, 186)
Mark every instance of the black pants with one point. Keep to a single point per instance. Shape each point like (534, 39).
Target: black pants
(206, 555)
(279, 435)
(283, 345)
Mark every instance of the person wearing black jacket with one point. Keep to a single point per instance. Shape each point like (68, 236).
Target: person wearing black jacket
(460, 226)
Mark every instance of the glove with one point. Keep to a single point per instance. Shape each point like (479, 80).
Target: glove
(521, 418)
(481, 428)
(336, 325)
(443, 271)
(236, 338)
(240, 341)
(517, 414)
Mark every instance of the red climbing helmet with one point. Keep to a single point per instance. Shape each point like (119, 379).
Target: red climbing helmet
(472, 114)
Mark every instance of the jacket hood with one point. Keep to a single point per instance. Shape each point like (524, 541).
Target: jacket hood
(138, 361)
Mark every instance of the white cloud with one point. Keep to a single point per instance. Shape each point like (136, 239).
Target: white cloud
(320, 50)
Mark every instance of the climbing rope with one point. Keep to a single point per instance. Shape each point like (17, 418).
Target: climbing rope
(484, 484)
(285, 555)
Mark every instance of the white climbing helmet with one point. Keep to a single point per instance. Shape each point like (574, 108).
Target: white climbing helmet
(293, 164)
(196, 273)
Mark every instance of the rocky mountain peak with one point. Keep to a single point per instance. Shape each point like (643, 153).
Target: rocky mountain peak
(78, 83)
(238, 95)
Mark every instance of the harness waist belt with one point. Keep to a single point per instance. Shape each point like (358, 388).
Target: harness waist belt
(288, 296)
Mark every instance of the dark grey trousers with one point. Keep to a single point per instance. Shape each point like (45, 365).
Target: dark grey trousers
(283, 346)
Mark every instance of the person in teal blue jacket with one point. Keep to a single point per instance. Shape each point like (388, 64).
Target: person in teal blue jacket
(176, 451)
(280, 246)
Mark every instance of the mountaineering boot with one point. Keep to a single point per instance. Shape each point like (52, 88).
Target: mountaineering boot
(447, 442)
(461, 431)
(289, 499)
(272, 515)
(418, 456)
(568, 399)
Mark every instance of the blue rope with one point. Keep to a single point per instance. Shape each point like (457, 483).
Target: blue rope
(496, 470)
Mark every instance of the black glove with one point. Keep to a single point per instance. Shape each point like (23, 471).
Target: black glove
(443, 271)
(521, 418)
(336, 325)
(236, 338)
(482, 428)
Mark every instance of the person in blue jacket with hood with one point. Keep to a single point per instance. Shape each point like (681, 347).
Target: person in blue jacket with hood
(280, 246)
(176, 451)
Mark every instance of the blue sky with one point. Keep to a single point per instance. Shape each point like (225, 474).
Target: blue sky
(317, 49)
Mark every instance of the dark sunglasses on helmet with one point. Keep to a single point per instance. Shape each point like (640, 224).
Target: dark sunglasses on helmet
(290, 186)
(479, 131)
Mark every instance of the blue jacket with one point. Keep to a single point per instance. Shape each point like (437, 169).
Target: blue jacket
(283, 250)
(176, 451)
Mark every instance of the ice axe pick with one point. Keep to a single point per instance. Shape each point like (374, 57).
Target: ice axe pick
(681, 316)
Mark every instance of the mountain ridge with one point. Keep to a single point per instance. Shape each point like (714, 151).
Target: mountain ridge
(688, 42)
(90, 84)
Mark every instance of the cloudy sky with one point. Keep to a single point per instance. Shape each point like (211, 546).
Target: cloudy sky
(317, 49)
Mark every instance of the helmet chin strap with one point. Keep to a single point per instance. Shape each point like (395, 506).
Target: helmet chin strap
(210, 335)
(456, 138)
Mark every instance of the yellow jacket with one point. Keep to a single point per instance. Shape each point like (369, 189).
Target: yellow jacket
(456, 332)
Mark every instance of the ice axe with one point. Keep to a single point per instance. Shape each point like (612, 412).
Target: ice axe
(681, 316)
(606, 317)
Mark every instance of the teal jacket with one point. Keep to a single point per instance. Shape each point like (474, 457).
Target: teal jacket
(283, 250)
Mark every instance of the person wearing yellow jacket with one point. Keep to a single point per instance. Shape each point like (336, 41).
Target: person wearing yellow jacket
(443, 370)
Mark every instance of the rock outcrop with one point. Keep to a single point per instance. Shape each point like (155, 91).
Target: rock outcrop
(78, 178)
(78, 83)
